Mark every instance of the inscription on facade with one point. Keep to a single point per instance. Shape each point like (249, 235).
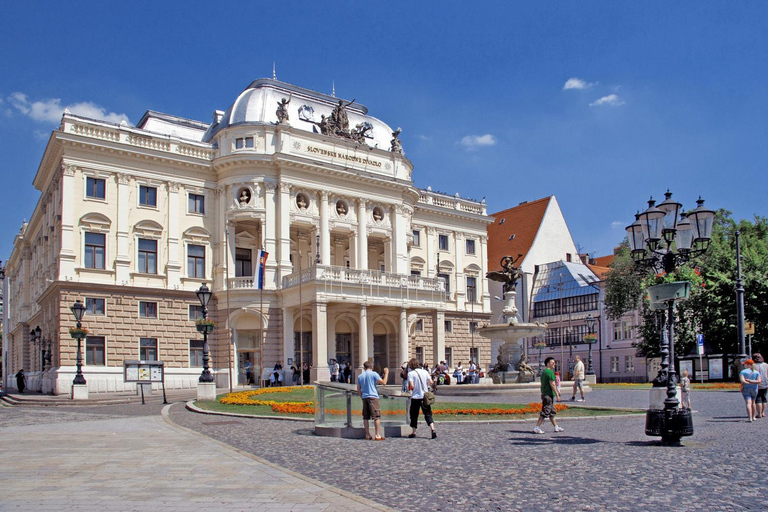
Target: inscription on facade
(343, 156)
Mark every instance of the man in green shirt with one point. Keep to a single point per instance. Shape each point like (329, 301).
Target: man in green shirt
(548, 393)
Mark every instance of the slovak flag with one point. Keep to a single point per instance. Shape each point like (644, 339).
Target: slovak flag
(261, 262)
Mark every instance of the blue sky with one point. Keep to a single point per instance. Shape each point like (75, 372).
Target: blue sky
(600, 103)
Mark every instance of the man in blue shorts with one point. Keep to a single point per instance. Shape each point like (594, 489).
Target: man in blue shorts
(366, 387)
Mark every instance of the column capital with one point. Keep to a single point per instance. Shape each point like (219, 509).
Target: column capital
(123, 178)
(270, 186)
(284, 187)
(68, 169)
(324, 194)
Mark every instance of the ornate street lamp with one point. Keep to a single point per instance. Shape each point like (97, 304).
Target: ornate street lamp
(663, 238)
(78, 333)
(205, 327)
(590, 338)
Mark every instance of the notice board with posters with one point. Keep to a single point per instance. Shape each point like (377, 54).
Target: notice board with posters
(143, 372)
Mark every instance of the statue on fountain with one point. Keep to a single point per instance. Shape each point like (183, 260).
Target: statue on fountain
(526, 372)
(508, 275)
(500, 365)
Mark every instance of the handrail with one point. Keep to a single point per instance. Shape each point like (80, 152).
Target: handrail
(350, 391)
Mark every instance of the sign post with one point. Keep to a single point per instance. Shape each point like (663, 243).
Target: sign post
(700, 343)
(145, 372)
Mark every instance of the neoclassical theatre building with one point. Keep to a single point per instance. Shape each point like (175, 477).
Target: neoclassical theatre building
(132, 220)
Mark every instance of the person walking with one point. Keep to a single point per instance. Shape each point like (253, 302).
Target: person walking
(334, 370)
(419, 382)
(305, 373)
(366, 388)
(749, 378)
(578, 379)
(762, 389)
(21, 380)
(548, 393)
(685, 390)
(347, 373)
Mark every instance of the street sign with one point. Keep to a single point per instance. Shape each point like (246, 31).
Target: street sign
(749, 328)
(700, 341)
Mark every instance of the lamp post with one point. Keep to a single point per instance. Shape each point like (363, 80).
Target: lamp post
(205, 327)
(590, 339)
(651, 239)
(78, 333)
(739, 301)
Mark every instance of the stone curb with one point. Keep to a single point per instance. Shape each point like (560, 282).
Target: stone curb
(192, 407)
(318, 483)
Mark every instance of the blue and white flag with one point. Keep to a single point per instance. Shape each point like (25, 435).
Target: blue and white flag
(261, 262)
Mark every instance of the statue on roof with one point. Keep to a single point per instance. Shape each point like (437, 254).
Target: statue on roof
(396, 146)
(282, 110)
(339, 120)
(509, 273)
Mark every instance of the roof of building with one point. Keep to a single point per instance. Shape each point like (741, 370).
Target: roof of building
(514, 230)
(603, 261)
(562, 279)
(258, 103)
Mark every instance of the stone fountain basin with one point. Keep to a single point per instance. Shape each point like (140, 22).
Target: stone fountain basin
(512, 331)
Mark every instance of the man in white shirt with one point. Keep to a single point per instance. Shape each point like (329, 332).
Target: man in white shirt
(419, 382)
(762, 389)
(578, 378)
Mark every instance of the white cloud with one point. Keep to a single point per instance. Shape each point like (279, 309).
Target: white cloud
(476, 141)
(612, 100)
(576, 83)
(617, 224)
(51, 110)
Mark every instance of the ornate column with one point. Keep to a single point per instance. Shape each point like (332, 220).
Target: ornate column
(174, 266)
(325, 232)
(438, 337)
(363, 339)
(68, 250)
(320, 369)
(288, 329)
(270, 226)
(284, 231)
(461, 283)
(402, 337)
(362, 236)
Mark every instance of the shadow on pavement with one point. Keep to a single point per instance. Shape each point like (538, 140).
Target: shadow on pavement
(551, 438)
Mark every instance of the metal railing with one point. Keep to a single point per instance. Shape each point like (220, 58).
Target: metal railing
(340, 405)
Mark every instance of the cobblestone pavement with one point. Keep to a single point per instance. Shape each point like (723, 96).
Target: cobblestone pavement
(129, 458)
(596, 464)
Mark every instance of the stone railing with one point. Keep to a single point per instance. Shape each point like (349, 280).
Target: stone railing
(95, 132)
(452, 202)
(363, 277)
(149, 143)
(241, 283)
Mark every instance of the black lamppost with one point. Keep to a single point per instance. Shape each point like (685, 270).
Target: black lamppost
(205, 326)
(590, 339)
(651, 239)
(739, 301)
(78, 333)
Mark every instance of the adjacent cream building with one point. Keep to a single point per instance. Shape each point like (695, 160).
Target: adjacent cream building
(132, 220)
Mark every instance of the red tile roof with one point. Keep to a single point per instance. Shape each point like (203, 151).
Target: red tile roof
(523, 222)
(603, 261)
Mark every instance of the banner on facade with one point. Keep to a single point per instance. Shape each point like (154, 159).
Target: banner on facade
(261, 262)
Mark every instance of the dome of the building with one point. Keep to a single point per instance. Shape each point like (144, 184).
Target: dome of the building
(258, 104)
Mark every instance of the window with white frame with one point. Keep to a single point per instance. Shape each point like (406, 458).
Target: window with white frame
(95, 188)
(94, 306)
(147, 195)
(195, 353)
(447, 280)
(95, 250)
(244, 143)
(449, 356)
(147, 309)
(148, 349)
(196, 203)
(416, 238)
(442, 242)
(195, 312)
(243, 262)
(471, 289)
(95, 351)
(629, 363)
(472, 327)
(470, 246)
(196, 261)
(616, 331)
(419, 325)
(420, 355)
(626, 330)
(614, 364)
(147, 263)
(474, 354)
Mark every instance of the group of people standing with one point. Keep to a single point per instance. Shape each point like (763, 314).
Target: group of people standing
(754, 386)
(341, 373)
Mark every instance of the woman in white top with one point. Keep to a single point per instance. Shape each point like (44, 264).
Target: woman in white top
(419, 381)
(457, 373)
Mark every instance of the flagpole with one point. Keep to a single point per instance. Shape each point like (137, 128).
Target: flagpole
(261, 310)
(226, 283)
(301, 328)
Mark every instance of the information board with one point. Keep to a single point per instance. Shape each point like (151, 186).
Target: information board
(143, 371)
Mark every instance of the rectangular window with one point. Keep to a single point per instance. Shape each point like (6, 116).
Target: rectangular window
(448, 326)
(616, 330)
(244, 142)
(470, 247)
(420, 355)
(195, 353)
(472, 327)
(147, 196)
(94, 188)
(449, 356)
(629, 363)
(94, 306)
(419, 325)
(95, 248)
(195, 312)
(614, 364)
(147, 256)
(416, 273)
(474, 354)
(94, 351)
(447, 280)
(196, 203)
(443, 242)
(416, 238)
(626, 329)
(196, 261)
(243, 263)
(471, 289)
(147, 309)
(148, 349)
